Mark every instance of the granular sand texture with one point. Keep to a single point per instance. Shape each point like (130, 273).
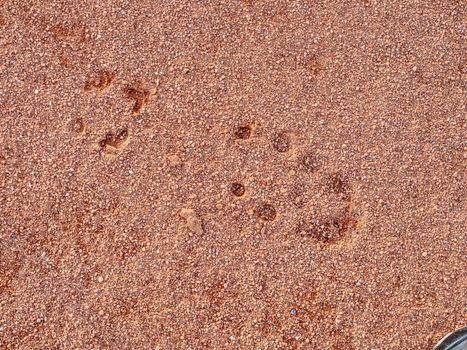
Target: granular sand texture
(258, 174)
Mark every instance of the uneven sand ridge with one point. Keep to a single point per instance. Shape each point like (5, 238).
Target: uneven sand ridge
(233, 174)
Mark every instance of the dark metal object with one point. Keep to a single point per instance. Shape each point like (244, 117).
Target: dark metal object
(456, 340)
